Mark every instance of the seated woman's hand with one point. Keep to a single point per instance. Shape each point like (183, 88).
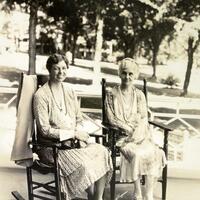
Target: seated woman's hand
(82, 135)
(128, 130)
(127, 151)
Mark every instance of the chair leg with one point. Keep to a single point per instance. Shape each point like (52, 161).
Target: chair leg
(112, 186)
(29, 183)
(164, 183)
(113, 155)
(164, 174)
(17, 195)
(113, 179)
(57, 175)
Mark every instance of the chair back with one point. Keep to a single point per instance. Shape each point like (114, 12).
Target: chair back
(103, 99)
(24, 126)
(42, 79)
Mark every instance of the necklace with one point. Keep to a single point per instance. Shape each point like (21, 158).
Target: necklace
(126, 95)
(127, 102)
(62, 105)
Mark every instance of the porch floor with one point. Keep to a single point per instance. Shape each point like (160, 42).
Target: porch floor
(14, 179)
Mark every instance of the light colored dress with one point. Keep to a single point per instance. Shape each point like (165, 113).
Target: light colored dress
(139, 154)
(79, 168)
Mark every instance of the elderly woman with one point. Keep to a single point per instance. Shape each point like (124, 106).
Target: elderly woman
(58, 117)
(126, 109)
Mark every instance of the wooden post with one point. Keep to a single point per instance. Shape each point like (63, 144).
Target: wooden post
(113, 150)
(103, 108)
(29, 183)
(164, 174)
(57, 174)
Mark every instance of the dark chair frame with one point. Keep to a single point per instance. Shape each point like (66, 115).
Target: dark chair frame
(52, 190)
(112, 132)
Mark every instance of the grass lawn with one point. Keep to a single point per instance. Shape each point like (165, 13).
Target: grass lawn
(13, 74)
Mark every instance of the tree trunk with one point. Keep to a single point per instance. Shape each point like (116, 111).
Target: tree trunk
(98, 51)
(32, 37)
(130, 53)
(126, 53)
(64, 40)
(130, 48)
(154, 59)
(74, 48)
(190, 53)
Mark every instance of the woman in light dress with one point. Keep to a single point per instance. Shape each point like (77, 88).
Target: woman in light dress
(58, 117)
(126, 109)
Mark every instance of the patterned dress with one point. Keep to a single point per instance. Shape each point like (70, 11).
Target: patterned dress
(139, 154)
(79, 168)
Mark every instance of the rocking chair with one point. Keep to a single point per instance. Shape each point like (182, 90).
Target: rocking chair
(112, 132)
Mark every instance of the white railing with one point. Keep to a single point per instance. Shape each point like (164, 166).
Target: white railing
(8, 90)
(179, 109)
(184, 114)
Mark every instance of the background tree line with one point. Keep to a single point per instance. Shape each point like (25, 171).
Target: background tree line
(139, 27)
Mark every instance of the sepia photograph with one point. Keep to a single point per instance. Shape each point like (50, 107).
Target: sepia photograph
(99, 99)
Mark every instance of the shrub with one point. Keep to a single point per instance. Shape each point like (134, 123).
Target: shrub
(171, 81)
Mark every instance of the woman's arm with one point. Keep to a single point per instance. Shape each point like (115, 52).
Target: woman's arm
(41, 113)
(142, 105)
(143, 112)
(112, 118)
(79, 133)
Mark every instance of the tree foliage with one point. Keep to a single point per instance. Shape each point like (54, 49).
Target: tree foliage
(132, 24)
(188, 26)
(126, 22)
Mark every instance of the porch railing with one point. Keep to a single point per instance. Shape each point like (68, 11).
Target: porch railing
(184, 115)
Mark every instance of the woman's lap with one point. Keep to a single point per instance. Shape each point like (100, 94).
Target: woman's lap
(80, 168)
(147, 159)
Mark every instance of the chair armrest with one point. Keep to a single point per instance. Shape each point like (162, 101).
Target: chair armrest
(46, 144)
(50, 143)
(97, 136)
(155, 123)
(114, 129)
(161, 125)
(109, 126)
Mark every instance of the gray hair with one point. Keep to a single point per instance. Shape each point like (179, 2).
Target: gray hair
(129, 62)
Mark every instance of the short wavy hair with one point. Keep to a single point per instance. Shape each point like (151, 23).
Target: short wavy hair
(55, 59)
(129, 62)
